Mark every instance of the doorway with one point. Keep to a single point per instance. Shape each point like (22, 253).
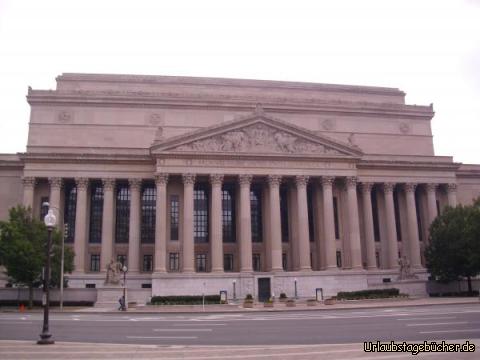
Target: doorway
(264, 289)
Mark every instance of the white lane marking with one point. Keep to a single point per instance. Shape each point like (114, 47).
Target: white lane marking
(162, 337)
(438, 324)
(429, 318)
(198, 324)
(177, 330)
(449, 331)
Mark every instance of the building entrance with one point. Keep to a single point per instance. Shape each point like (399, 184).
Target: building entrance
(264, 289)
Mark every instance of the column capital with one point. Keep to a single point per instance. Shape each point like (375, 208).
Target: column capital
(328, 180)
(432, 187)
(55, 182)
(366, 187)
(161, 179)
(135, 184)
(216, 179)
(274, 180)
(301, 180)
(108, 183)
(451, 187)
(245, 179)
(410, 187)
(29, 181)
(82, 183)
(351, 181)
(188, 179)
(388, 187)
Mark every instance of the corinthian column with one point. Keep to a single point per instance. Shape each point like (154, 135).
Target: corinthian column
(107, 222)
(303, 235)
(391, 229)
(134, 226)
(368, 224)
(452, 194)
(28, 191)
(216, 240)
(188, 244)
(329, 223)
(432, 202)
(353, 226)
(55, 189)
(245, 224)
(275, 221)
(161, 181)
(80, 224)
(414, 243)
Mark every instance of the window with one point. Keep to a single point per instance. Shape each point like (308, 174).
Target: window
(376, 224)
(96, 213)
(256, 214)
(43, 209)
(228, 215)
(284, 213)
(228, 262)
(339, 259)
(122, 214)
(147, 262)
(284, 261)
(256, 262)
(122, 259)
(201, 262)
(149, 196)
(311, 231)
(200, 215)
(70, 211)
(335, 218)
(396, 206)
(95, 262)
(173, 261)
(174, 217)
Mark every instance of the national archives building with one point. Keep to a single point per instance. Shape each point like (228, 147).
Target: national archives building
(200, 184)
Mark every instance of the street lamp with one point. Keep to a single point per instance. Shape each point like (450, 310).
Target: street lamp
(296, 293)
(234, 282)
(124, 270)
(45, 337)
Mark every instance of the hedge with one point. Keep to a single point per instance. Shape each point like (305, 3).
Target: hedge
(39, 303)
(185, 300)
(368, 294)
(474, 293)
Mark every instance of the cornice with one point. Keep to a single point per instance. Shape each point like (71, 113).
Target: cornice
(123, 98)
(11, 162)
(86, 158)
(407, 165)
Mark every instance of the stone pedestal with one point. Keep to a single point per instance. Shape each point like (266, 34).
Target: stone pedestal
(108, 296)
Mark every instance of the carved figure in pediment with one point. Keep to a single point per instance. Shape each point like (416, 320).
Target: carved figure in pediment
(285, 142)
(234, 141)
(258, 135)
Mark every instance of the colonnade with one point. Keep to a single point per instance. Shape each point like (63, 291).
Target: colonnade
(328, 241)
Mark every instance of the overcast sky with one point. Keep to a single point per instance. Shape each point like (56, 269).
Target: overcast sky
(428, 48)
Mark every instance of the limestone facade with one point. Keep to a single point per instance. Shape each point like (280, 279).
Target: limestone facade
(201, 185)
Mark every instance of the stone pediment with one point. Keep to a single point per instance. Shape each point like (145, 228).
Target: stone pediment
(258, 135)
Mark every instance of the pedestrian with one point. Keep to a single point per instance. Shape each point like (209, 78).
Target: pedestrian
(121, 301)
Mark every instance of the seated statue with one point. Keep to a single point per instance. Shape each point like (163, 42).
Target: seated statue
(113, 273)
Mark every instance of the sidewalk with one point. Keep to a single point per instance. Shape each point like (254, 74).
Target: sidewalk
(301, 305)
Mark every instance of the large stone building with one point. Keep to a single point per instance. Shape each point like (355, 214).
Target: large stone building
(201, 185)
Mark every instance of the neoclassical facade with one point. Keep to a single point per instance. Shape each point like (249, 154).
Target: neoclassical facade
(200, 185)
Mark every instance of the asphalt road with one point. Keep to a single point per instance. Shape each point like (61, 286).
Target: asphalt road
(441, 322)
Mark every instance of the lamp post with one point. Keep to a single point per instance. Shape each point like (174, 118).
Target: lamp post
(234, 282)
(124, 270)
(45, 337)
(296, 293)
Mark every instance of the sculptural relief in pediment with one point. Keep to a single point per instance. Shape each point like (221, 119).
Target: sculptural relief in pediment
(257, 138)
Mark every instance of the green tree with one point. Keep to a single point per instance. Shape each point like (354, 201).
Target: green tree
(22, 250)
(454, 248)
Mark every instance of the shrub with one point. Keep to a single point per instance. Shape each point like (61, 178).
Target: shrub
(368, 294)
(185, 300)
(283, 296)
(249, 297)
